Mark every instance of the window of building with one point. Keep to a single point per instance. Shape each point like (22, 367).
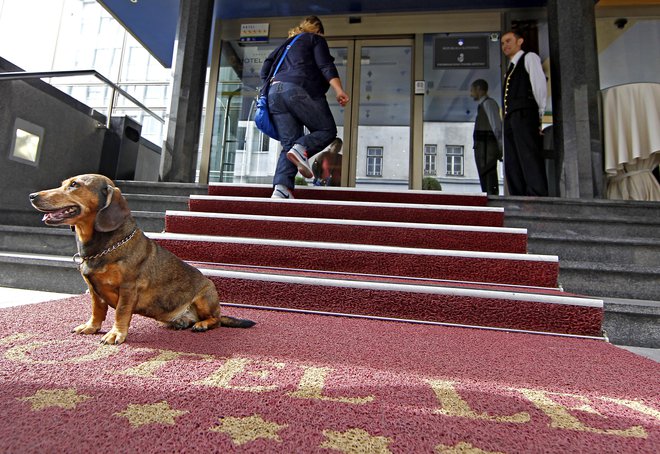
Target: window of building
(454, 160)
(430, 155)
(374, 161)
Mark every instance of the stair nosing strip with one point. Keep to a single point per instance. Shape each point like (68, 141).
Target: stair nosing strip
(302, 220)
(356, 247)
(410, 320)
(409, 288)
(424, 206)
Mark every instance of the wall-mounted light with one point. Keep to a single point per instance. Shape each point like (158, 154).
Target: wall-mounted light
(26, 142)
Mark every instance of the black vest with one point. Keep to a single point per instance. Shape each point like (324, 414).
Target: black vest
(518, 92)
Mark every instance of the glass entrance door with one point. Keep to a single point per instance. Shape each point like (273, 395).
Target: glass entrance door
(375, 126)
(377, 142)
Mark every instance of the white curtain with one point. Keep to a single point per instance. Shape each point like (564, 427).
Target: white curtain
(631, 129)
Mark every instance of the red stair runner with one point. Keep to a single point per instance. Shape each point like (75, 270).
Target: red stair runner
(416, 255)
(351, 194)
(337, 209)
(427, 236)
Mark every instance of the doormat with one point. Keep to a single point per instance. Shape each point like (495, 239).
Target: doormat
(318, 384)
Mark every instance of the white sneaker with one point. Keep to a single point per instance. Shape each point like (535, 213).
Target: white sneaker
(281, 192)
(300, 160)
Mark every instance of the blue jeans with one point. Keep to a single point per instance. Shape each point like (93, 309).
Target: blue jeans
(292, 109)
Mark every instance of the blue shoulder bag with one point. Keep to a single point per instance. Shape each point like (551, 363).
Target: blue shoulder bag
(262, 116)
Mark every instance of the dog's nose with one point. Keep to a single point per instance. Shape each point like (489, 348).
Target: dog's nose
(34, 195)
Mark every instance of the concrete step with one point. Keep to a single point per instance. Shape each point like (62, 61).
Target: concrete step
(579, 208)
(149, 221)
(47, 273)
(613, 280)
(156, 203)
(37, 240)
(586, 248)
(158, 188)
(601, 218)
(632, 322)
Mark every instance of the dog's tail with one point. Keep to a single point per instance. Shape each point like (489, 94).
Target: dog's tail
(233, 322)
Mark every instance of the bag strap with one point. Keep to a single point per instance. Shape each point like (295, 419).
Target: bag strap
(284, 54)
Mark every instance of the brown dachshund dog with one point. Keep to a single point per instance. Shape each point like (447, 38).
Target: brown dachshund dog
(125, 269)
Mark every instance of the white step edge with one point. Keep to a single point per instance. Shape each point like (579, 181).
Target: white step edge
(350, 222)
(350, 203)
(408, 288)
(354, 247)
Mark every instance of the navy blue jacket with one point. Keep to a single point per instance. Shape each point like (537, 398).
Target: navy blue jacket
(307, 64)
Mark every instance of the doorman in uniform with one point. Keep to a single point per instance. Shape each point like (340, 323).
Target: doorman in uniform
(524, 98)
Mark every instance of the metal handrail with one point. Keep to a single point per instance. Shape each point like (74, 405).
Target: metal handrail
(19, 75)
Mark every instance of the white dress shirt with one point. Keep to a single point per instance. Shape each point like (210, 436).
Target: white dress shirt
(536, 77)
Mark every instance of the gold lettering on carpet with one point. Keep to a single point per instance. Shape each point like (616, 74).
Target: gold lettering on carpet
(462, 448)
(454, 405)
(355, 441)
(158, 413)
(147, 368)
(13, 338)
(62, 398)
(312, 383)
(233, 367)
(634, 405)
(22, 353)
(247, 429)
(560, 418)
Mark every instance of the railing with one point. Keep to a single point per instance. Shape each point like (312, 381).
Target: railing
(21, 75)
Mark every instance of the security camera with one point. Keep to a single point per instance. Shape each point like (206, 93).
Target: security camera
(620, 22)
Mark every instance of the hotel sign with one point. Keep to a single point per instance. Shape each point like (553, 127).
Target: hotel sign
(460, 53)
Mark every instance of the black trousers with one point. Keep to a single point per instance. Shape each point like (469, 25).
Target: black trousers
(486, 155)
(524, 166)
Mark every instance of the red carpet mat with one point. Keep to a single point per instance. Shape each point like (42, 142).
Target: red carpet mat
(306, 383)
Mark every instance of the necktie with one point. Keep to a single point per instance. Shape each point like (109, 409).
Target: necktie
(511, 66)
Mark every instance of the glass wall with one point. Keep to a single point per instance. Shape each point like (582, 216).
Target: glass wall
(240, 153)
(452, 61)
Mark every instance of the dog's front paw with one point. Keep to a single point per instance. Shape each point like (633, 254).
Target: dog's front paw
(86, 328)
(114, 337)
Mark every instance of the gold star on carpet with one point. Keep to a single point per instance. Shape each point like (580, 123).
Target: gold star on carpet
(159, 413)
(249, 428)
(63, 398)
(355, 441)
(462, 448)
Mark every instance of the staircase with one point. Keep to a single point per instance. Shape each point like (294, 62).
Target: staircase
(415, 255)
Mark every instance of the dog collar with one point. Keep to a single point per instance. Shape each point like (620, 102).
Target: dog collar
(78, 260)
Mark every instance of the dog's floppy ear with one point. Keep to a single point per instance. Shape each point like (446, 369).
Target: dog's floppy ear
(114, 212)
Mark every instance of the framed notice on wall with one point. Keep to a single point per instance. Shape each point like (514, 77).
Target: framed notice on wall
(457, 52)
